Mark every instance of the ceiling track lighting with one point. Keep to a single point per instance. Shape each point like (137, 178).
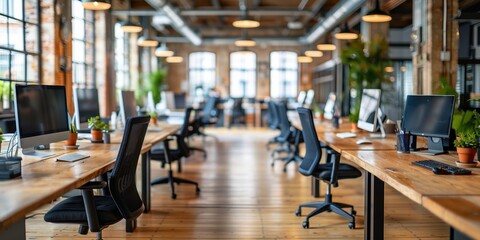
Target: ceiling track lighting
(346, 34)
(96, 5)
(129, 26)
(377, 15)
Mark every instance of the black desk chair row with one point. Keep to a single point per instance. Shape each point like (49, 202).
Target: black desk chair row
(273, 122)
(95, 213)
(207, 117)
(167, 156)
(286, 139)
(328, 172)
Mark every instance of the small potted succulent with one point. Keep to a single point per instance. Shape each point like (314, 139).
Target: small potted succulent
(73, 136)
(153, 117)
(96, 127)
(466, 144)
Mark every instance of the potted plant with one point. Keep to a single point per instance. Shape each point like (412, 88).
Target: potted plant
(96, 127)
(153, 117)
(106, 133)
(318, 112)
(73, 136)
(353, 118)
(466, 144)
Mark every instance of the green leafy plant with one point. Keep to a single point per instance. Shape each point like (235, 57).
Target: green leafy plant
(467, 140)
(353, 117)
(466, 122)
(155, 83)
(94, 123)
(316, 109)
(153, 114)
(73, 129)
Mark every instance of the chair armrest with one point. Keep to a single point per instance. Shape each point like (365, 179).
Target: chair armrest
(90, 210)
(335, 160)
(93, 185)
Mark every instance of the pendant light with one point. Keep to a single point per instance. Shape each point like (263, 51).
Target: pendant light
(96, 5)
(244, 21)
(377, 15)
(163, 51)
(146, 40)
(128, 26)
(174, 59)
(313, 53)
(346, 34)
(304, 59)
(245, 41)
(326, 45)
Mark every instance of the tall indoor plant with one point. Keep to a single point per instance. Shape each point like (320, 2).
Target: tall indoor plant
(366, 63)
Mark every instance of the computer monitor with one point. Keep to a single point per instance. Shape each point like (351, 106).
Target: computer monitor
(150, 103)
(429, 116)
(301, 98)
(309, 98)
(329, 109)
(41, 116)
(86, 106)
(128, 107)
(368, 115)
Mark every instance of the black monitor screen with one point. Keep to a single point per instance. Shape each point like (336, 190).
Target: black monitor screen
(428, 115)
(41, 110)
(87, 103)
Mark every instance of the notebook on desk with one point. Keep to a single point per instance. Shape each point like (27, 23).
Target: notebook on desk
(71, 157)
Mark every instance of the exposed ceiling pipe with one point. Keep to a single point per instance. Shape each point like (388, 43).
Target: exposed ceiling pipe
(333, 17)
(219, 12)
(177, 22)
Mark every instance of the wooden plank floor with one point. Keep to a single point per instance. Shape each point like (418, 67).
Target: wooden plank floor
(243, 197)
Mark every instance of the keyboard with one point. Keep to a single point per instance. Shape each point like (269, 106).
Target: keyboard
(443, 168)
(346, 135)
(71, 157)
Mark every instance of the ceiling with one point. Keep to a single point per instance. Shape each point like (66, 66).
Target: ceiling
(281, 20)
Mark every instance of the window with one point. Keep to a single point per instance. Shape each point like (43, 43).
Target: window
(122, 77)
(201, 72)
(19, 45)
(243, 74)
(283, 74)
(83, 46)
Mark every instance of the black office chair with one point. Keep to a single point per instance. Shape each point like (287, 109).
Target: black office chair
(207, 117)
(273, 122)
(167, 156)
(95, 213)
(238, 113)
(328, 172)
(286, 139)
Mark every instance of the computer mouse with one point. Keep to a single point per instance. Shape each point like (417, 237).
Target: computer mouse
(440, 171)
(363, 141)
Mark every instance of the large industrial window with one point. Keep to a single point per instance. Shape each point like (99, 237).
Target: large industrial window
(243, 78)
(201, 73)
(122, 76)
(19, 46)
(283, 74)
(83, 46)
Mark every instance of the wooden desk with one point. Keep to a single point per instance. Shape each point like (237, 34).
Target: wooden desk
(452, 198)
(44, 180)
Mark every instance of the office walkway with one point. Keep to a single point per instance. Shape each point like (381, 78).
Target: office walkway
(244, 198)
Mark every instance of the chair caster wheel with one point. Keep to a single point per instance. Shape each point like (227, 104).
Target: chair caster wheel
(351, 225)
(305, 224)
(354, 212)
(174, 196)
(298, 213)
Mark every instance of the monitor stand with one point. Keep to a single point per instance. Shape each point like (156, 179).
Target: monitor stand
(33, 153)
(382, 129)
(435, 146)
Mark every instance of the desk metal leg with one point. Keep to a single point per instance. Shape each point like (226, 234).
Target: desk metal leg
(14, 231)
(315, 188)
(146, 178)
(374, 207)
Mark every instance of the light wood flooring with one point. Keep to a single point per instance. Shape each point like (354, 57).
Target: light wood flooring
(243, 197)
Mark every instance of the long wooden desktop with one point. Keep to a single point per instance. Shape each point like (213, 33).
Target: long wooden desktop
(44, 180)
(454, 199)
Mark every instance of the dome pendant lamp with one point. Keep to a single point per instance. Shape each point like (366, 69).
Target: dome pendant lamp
(128, 26)
(377, 15)
(96, 5)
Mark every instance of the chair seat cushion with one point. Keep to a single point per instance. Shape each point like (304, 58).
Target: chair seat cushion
(324, 171)
(159, 154)
(72, 210)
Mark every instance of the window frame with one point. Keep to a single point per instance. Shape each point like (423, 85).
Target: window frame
(284, 70)
(204, 84)
(243, 70)
(90, 43)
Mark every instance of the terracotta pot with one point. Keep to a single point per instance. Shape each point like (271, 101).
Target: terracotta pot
(153, 120)
(96, 135)
(321, 117)
(354, 128)
(72, 139)
(466, 155)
